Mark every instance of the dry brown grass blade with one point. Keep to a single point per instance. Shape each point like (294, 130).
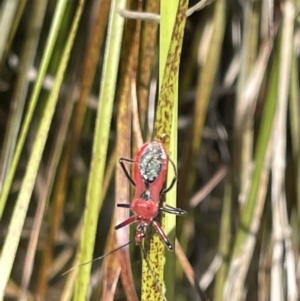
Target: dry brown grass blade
(59, 197)
(188, 270)
(112, 268)
(46, 190)
(209, 186)
(281, 228)
(67, 253)
(89, 67)
(146, 60)
(128, 72)
(57, 213)
(186, 266)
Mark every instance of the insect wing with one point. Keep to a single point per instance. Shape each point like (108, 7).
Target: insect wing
(152, 161)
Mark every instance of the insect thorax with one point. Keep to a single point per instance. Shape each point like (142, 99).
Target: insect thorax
(146, 195)
(151, 162)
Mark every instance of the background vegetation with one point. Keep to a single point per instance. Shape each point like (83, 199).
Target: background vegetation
(83, 83)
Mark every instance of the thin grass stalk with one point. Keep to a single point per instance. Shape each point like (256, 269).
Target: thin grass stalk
(224, 242)
(15, 227)
(243, 136)
(91, 58)
(19, 97)
(47, 189)
(146, 61)
(279, 211)
(254, 226)
(263, 277)
(294, 120)
(112, 267)
(7, 14)
(249, 219)
(17, 18)
(101, 139)
(54, 29)
(68, 289)
(59, 195)
(290, 261)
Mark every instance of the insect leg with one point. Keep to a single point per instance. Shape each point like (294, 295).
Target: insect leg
(173, 180)
(172, 210)
(121, 161)
(162, 235)
(124, 206)
(132, 219)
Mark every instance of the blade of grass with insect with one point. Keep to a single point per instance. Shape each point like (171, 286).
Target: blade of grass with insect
(101, 137)
(173, 18)
(19, 214)
(57, 19)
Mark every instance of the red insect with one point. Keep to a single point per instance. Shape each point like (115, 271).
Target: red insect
(149, 176)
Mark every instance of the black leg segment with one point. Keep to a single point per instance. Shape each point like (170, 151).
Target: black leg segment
(127, 174)
(173, 180)
(124, 206)
(172, 210)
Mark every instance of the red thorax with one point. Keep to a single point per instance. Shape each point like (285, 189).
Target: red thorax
(149, 173)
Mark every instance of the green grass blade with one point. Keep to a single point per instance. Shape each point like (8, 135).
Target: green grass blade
(168, 15)
(29, 50)
(101, 138)
(7, 14)
(169, 224)
(20, 210)
(58, 16)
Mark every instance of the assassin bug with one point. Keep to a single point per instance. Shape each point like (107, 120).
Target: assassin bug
(149, 176)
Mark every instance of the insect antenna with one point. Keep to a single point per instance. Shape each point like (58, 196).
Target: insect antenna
(157, 284)
(98, 258)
